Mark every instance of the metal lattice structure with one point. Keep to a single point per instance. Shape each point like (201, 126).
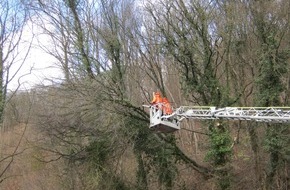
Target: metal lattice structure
(171, 123)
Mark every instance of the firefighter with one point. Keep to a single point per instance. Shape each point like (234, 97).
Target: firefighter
(156, 98)
(167, 110)
(157, 101)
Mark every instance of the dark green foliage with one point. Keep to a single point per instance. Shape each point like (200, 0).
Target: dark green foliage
(269, 81)
(220, 146)
(164, 165)
(224, 179)
(278, 145)
(99, 156)
(154, 156)
(161, 160)
(98, 153)
(276, 142)
(219, 154)
(117, 183)
(272, 67)
(141, 172)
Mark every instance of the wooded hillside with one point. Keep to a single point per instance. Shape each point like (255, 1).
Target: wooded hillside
(91, 127)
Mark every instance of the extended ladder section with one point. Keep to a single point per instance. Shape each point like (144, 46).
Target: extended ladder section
(171, 123)
(262, 114)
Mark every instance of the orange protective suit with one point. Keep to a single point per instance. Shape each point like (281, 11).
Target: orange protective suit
(167, 110)
(156, 98)
(164, 104)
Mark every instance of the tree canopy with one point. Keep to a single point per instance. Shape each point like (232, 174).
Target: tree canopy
(114, 54)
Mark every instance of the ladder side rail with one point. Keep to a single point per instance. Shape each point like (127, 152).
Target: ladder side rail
(200, 112)
(250, 112)
(269, 114)
(265, 114)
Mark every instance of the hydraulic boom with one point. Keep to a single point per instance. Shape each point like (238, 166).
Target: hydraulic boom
(171, 122)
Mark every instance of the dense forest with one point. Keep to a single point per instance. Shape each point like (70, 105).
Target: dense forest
(88, 130)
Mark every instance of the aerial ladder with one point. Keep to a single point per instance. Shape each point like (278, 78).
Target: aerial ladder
(166, 120)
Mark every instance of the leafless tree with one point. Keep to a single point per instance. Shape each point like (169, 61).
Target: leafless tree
(114, 55)
(12, 53)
